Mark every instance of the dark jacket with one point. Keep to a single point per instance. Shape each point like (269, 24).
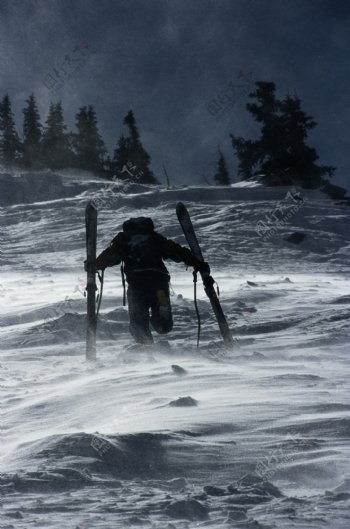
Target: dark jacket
(143, 252)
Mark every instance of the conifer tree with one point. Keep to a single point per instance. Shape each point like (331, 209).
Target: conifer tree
(138, 160)
(89, 146)
(107, 168)
(299, 157)
(222, 177)
(31, 134)
(281, 153)
(56, 151)
(121, 158)
(10, 145)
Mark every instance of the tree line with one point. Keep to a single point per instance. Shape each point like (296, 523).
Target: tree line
(52, 147)
(280, 156)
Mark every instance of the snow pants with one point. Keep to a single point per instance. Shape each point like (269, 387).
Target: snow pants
(149, 291)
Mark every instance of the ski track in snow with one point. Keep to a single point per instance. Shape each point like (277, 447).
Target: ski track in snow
(170, 436)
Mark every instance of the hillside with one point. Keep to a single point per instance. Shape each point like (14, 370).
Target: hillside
(263, 440)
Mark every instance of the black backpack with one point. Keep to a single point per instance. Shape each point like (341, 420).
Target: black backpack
(144, 247)
(138, 225)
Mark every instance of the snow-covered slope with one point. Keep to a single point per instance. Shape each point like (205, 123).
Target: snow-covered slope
(175, 437)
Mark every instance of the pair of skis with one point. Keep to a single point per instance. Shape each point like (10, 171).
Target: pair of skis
(91, 237)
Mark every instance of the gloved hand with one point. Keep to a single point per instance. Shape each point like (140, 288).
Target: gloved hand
(203, 266)
(86, 268)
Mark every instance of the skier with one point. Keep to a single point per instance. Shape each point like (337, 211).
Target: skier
(142, 250)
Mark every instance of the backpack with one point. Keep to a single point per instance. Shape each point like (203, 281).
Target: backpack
(138, 225)
(144, 247)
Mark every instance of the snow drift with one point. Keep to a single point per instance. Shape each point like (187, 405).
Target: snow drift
(172, 436)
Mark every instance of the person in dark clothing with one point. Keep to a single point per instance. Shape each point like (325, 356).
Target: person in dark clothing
(142, 251)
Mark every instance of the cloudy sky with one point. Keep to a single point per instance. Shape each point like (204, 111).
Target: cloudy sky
(183, 66)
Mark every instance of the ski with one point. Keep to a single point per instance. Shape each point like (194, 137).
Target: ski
(91, 236)
(208, 281)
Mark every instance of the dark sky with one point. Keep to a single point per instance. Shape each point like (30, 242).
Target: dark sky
(168, 59)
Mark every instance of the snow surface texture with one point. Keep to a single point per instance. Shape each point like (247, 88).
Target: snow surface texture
(172, 437)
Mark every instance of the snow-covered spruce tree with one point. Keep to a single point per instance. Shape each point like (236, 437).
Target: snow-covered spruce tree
(138, 160)
(281, 153)
(88, 144)
(10, 144)
(32, 132)
(55, 146)
(221, 176)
